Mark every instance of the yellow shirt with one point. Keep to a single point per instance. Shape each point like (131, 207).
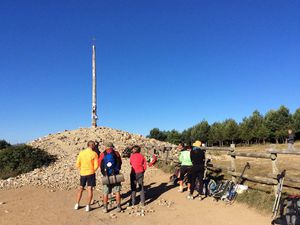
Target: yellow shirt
(87, 162)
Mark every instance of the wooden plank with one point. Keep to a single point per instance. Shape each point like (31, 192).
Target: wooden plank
(222, 149)
(286, 178)
(285, 152)
(218, 168)
(263, 180)
(253, 155)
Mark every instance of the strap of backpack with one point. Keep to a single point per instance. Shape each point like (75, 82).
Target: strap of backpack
(295, 206)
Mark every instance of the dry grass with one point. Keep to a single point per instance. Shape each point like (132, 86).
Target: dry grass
(262, 167)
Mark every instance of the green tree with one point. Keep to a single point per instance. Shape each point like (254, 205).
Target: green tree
(173, 137)
(157, 134)
(216, 133)
(246, 130)
(231, 130)
(200, 131)
(278, 122)
(256, 121)
(4, 144)
(263, 132)
(296, 121)
(186, 136)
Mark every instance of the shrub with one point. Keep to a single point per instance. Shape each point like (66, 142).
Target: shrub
(18, 159)
(4, 144)
(167, 168)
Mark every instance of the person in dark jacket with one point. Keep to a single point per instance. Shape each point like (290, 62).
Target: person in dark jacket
(197, 171)
(291, 140)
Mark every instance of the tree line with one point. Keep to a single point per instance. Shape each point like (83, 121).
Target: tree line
(254, 129)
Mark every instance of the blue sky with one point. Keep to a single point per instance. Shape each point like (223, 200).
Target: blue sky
(166, 64)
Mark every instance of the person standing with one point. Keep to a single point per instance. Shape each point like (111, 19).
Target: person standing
(153, 159)
(138, 167)
(197, 171)
(185, 165)
(110, 163)
(87, 162)
(96, 148)
(291, 140)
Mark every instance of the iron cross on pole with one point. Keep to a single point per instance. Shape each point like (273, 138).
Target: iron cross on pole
(94, 86)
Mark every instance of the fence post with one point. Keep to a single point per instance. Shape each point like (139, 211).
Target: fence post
(232, 162)
(275, 170)
(167, 155)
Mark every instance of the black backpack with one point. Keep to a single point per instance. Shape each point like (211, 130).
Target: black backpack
(291, 211)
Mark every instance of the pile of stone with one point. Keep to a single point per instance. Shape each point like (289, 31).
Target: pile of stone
(139, 211)
(66, 145)
(164, 202)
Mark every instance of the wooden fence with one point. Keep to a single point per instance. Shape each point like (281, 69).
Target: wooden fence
(270, 154)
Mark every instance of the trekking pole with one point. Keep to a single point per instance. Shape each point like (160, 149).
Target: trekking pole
(278, 194)
(247, 166)
(239, 181)
(205, 168)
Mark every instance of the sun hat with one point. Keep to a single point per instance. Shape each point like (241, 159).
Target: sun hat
(197, 144)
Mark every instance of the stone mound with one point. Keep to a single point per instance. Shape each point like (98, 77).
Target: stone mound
(62, 174)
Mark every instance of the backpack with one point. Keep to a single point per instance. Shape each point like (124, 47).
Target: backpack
(210, 187)
(222, 190)
(292, 211)
(113, 159)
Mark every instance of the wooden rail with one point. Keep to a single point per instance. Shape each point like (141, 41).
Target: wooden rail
(285, 152)
(270, 154)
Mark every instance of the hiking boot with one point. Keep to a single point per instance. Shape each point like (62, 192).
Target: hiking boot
(119, 209)
(201, 198)
(87, 208)
(190, 197)
(76, 207)
(105, 209)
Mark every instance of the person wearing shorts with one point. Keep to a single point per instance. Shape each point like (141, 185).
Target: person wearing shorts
(185, 165)
(110, 163)
(87, 162)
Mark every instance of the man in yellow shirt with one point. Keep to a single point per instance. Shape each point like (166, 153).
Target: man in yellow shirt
(87, 162)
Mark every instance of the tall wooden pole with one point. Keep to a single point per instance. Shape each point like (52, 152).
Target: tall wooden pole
(94, 88)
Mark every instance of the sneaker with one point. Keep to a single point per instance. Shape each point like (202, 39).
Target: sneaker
(105, 209)
(76, 207)
(142, 204)
(119, 209)
(87, 208)
(190, 197)
(180, 190)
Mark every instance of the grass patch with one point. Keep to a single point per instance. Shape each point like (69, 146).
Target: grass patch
(260, 200)
(18, 159)
(167, 168)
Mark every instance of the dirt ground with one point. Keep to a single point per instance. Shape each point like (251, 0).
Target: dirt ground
(35, 206)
